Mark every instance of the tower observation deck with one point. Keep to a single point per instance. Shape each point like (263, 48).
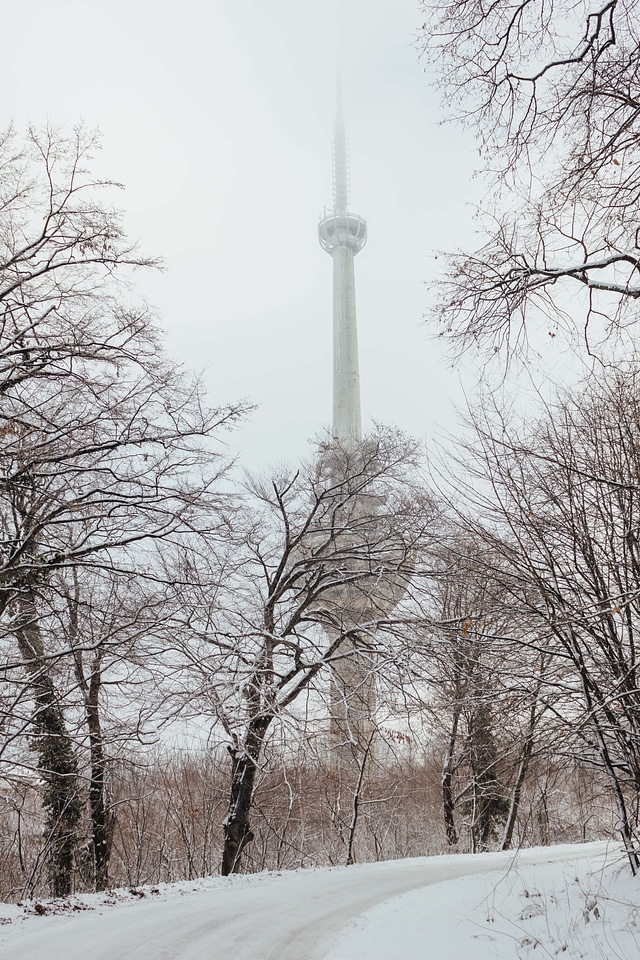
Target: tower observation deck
(343, 234)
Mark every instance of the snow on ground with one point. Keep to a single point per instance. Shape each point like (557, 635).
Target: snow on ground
(581, 910)
(572, 901)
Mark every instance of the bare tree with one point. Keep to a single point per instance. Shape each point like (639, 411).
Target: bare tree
(479, 687)
(550, 86)
(308, 554)
(560, 501)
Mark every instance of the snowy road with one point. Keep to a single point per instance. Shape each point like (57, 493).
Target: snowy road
(288, 916)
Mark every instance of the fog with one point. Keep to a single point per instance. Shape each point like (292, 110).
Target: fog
(217, 117)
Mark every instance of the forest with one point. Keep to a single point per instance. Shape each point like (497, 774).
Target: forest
(371, 653)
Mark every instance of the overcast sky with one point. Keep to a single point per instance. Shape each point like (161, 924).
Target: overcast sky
(217, 116)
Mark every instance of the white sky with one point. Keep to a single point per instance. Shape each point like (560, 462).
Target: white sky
(217, 117)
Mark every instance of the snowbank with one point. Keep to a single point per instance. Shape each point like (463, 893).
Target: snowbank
(587, 909)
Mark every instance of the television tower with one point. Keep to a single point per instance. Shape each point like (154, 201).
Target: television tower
(343, 234)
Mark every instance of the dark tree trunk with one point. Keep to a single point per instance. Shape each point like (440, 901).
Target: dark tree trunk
(61, 798)
(100, 820)
(448, 802)
(56, 759)
(101, 827)
(244, 766)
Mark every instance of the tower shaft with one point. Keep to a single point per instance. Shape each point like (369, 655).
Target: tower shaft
(343, 234)
(347, 422)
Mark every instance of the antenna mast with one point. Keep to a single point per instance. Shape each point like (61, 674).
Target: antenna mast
(341, 183)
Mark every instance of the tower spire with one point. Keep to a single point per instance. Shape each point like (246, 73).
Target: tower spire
(340, 156)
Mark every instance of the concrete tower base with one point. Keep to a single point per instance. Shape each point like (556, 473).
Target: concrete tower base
(353, 703)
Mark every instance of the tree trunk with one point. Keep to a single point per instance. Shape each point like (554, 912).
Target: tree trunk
(623, 817)
(100, 821)
(98, 802)
(56, 759)
(523, 765)
(448, 802)
(356, 801)
(244, 766)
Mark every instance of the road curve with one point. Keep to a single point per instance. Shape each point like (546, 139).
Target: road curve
(288, 916)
